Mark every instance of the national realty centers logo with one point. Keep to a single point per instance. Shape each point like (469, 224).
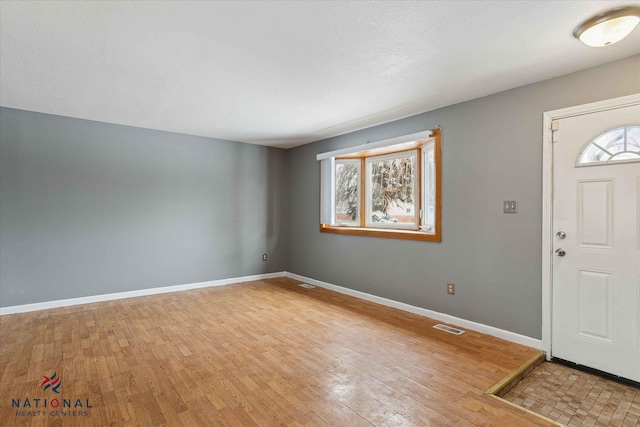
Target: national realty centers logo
(38, 406)
(53, 381)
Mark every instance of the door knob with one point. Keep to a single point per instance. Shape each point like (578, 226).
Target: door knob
(560, 252)
(561, 235)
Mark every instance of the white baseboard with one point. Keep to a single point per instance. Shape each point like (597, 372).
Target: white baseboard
(463, 323)
(131, 294)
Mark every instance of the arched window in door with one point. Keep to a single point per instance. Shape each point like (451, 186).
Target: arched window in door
(617, 145)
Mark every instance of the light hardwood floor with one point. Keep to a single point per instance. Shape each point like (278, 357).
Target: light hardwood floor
(263, 353)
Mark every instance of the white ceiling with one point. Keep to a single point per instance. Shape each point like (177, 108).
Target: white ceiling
(282, 73)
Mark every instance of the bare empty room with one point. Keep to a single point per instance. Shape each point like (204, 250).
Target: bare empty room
(314, 213)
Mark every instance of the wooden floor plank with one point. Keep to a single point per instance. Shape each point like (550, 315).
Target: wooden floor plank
(261, 353)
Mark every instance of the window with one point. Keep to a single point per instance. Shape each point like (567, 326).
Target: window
(617, 145)
(347, 202)
(391, 190)
(388, 188)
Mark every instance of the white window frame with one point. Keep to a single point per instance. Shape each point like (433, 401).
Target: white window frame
(427, 176)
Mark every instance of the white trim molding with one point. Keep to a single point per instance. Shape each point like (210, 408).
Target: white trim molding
(547, 199)
(442, 317)
(131, 294)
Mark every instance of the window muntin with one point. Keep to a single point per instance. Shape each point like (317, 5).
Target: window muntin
(347, 192)
(617, 145)
(421, 152)
(391, 196)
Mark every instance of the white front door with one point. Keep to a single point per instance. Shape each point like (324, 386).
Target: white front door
(596, 241)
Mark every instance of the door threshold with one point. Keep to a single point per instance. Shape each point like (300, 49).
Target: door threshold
(597, 372)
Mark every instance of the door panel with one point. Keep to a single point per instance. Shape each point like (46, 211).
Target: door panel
(594, 304)
(595, 212)
(596, 274)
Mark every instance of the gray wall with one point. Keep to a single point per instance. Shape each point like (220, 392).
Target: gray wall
(90, 208)
(492, 151)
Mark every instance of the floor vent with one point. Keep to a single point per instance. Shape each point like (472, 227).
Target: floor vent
(449, 329)
(306, 286)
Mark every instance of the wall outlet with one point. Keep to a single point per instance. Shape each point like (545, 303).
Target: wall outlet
(264, 257)
(510, 206)
(451, 288)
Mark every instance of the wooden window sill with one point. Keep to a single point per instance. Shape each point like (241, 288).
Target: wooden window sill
(382, 232)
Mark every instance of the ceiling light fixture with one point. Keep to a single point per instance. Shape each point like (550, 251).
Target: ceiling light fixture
(608, 27)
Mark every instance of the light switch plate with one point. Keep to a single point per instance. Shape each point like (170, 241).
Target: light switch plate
(510, 206)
